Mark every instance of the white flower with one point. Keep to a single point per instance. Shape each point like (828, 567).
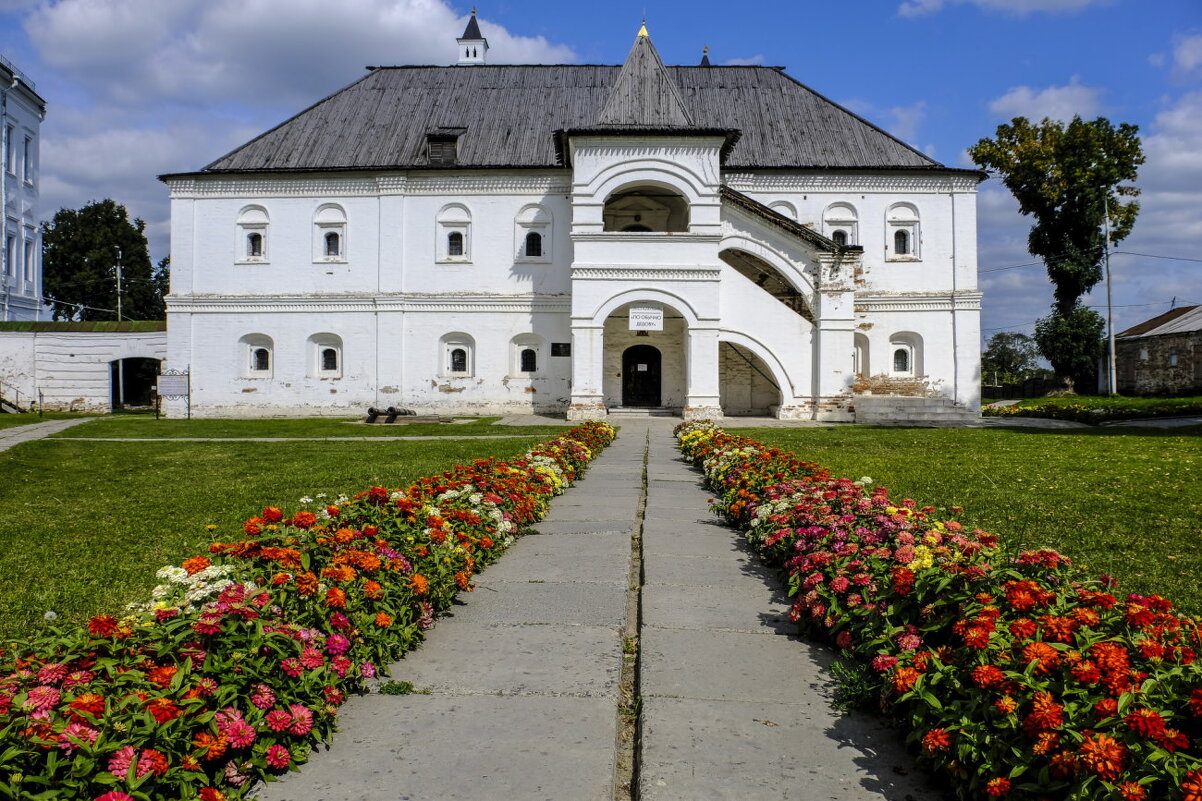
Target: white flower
(51, 615)
(306, 500)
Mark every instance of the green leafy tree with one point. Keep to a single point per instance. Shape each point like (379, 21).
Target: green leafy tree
(1076, 339)
(80, 252)
(1067, 177)
(1009, 357)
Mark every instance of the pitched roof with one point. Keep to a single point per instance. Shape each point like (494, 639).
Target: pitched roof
(644, 94)
(510, 114)
(1174, 321)
(472, 31)
(91, 326)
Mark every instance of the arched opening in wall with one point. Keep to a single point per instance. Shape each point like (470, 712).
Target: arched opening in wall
(646, 208)
(641, 376)
(131, 383)
(746, 386)
(905, 355)
(861, 366)
(769, 279)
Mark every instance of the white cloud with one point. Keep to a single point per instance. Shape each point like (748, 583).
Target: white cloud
(917, 8)
(160, 87)
(1187, 54)
(1056, 102)
(907, 119)
(754, 61)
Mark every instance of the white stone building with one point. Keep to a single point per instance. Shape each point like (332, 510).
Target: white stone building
(497, 239)
(21, 113)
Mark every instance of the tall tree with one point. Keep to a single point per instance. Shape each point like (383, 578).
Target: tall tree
(1009, 357)
(1068, 177)
(80, 253)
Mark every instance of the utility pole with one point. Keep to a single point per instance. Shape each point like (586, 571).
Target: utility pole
(1111, 383)
(120, 362)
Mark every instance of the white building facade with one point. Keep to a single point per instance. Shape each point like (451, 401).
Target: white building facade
(21, 114)
(482, 239)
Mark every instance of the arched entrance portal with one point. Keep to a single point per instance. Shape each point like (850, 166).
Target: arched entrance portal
(641, 376)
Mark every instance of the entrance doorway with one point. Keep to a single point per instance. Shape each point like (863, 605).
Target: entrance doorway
(641, 376)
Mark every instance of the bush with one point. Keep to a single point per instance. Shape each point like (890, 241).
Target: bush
(1017, 676)
(239, 662)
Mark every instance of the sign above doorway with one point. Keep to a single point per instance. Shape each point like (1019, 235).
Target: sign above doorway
(646, 318)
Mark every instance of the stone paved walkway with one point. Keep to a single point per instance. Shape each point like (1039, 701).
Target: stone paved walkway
(519, 690)
(18, 434)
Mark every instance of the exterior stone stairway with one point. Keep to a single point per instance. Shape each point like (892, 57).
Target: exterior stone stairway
(901, 410)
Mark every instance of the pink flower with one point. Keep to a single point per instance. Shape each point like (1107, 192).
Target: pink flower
(843, 639)
(337, 644)
(235, 776)
(278, 757)
(262, 696)
(311, 658)
(302, 719)
(339, 621)
(120, 761)
(367, 670)
(43, 698)
(909, 642)
(79, 731)
(115, 795)
(241, 734)
(78, 677)
(292, 666)
(52, 674)
(278, 720)
(884, 663)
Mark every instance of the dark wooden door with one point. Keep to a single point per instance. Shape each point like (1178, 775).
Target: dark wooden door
(641, 376)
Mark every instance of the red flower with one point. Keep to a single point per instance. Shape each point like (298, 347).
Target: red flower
(988, 677)
(1103, 756)
(997, 788)
(163, 710)
(272, 515)
(1173, 740)
(1045, 715)
(1023, 628)
(1045, 655)
(1131, 791)
(1145, 722)
(102, 626)
(1195, 703)
(1086, 672)
(936, 740)
(1106, 708)
(304, 519)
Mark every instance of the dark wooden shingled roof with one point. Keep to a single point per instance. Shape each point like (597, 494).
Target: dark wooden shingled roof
(510, 114)
(644, 94)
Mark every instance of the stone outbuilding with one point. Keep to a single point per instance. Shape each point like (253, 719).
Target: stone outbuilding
(1161, 356)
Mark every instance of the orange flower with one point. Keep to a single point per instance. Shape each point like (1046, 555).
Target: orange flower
(335, 598)
(997, 788)
(419, 584)
(463, 581)
(1191, 786)
(1045, 655)
(280, 578)
(1045, 742)
(1006, 705)
(163, 710)
(1045, 715)
(211, 794)
(1132, 791)
(904, 679)
(253, 526)
(936, 740)
(196, 564)
(162, 675)
(1057, 629)
(344, 536)
(988, 677)
(210, 746)
(373, 590)
(383, 620)
(304, 519)
(1103, 756)
(306, 583)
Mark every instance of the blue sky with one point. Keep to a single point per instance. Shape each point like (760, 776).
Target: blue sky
(136, 88)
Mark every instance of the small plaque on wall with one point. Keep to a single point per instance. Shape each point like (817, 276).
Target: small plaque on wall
(646, 318)
(561, 348)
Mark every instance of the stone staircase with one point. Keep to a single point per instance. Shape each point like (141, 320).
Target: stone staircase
(902, 410)
(639, 412)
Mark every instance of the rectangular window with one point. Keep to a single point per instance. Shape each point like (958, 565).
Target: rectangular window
(9, 163)
(27, 161)
(440, 150)
(29, 257)
(10, 255)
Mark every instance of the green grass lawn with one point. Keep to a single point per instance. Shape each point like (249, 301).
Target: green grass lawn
(13, 420)
(1122, 501)
(146, 427)
(1100, 408)
(87, 524)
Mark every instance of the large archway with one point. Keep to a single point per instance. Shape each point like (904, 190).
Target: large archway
(747, 384)
(768, 278)
(645, 363)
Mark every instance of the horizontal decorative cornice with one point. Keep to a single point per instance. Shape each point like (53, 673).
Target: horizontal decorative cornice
(643, 274)
(919, 301)
(643, 236)
(401, 302)
(849, 182)
(317, 185)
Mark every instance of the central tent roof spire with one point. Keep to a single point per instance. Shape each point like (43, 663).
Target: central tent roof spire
(644, 94)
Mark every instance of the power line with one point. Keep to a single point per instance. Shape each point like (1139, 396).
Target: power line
(1121, 306)
(1065, 256)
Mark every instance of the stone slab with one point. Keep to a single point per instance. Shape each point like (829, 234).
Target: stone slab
(662, 568)
(576, 603)
(714, 608)
(725, 666)
(593, 512)
(695, 750)
(565, 557)
(461, 748)
(691, 539)
(598, 526)
(558, 660)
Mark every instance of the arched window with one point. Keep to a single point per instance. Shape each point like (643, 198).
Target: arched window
(906, 347)
(904, 240)
(648, 207)
(841, 223)
(524, 354)
(860, 363)
(529, 360)
(333, 245)
(458, 356)
(901, 360)
(329, 360)
(329, 233)
(252, 234)
(257, 357)
(534, 244)
(454, 233)
(784, 208)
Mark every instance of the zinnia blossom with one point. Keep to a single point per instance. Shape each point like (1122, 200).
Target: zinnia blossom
(102, 626)
(278, 720)
(115, 795)
(1103, 756)
(302, 719)
(262, 696)
(1191, 786)
(936, 740)
(1145, 722)
(998, 787)
(278, 757)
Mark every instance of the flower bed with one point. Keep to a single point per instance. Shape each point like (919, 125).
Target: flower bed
(1017, 676)
(1101, 410)
(238, 664)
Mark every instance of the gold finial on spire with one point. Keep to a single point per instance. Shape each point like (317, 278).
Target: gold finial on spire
(473, 11)
(705, 51)
(643, 28)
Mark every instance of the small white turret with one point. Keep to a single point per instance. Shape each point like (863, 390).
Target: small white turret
(472, 45)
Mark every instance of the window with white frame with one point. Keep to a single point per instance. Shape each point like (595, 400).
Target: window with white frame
(10, 153)
(329, 234)
(251, 245)
(258, 356)
(27, 161)
(860, 363)
(527, 353)
(457, 352)
(905, 350)
(30, 256)
(10, 255)
(454, 230)
(903, 240)
(840, 222)
(532, 234)
(325, 355)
